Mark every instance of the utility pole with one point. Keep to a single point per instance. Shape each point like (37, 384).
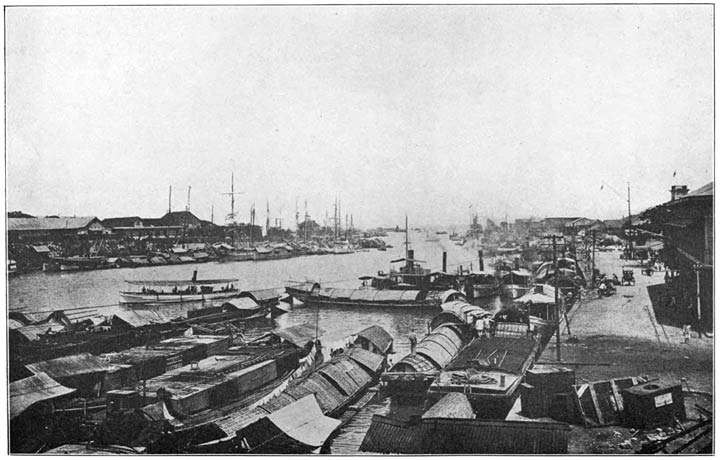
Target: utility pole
(630, 247)
(557, 303)
(187, 208)
(592, 274)
(170, 201)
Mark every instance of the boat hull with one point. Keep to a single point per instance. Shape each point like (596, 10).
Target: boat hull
(481, 291)
(140, 298)
(429, 303)
(513, 291)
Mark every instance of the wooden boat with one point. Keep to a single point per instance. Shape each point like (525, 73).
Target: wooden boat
(336, 385)
(195, 397)
(489, 372)
(77, 262)
(301, 290)
(273, 252)
(180, 291)
(412, 375)
(481, 285)
(515, 284)
(373, 298)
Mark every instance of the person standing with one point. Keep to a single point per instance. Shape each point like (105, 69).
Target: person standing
(686, 334)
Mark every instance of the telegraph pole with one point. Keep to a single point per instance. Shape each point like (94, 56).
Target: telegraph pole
(630, 248)
(557, 303)
(592, 274)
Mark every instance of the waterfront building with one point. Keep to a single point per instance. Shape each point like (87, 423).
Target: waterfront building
(686, 223)
(46, 229)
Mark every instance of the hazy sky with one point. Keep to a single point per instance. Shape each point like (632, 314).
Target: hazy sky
(425, 109)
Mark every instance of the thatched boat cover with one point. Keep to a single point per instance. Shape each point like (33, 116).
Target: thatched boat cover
(140, 318)
(260, 295)
(307, 286)
(441, 345)
(299, 335)
(371, 361)
(241, 304)
(414, 363)
(297, 428)
(39, 387)
(378, 337)
(452, 405)
(84, 449)
(68, 366)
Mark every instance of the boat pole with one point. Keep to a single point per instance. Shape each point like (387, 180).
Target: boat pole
(557, 304)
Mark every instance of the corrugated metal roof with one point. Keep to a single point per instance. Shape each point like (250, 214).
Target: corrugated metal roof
(49, 223)
(389, 436)
(465, 436)
(67, 366)
(705, 190)
(39, 387)
(378, 337)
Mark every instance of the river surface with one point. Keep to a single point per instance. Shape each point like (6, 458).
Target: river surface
(42, 291)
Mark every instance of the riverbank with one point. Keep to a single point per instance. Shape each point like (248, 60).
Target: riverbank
(620, 336)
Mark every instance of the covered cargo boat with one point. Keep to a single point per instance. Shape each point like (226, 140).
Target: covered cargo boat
(413, 374)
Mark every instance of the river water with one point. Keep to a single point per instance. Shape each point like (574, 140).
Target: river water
(42, 291)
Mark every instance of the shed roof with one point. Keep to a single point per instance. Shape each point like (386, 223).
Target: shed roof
(67, 366)
(389, 436)
(113, 222)
(378, 337)
(39, 387)
(705, 190)
(49, 223)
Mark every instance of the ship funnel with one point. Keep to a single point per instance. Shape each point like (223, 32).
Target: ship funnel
(194, 278)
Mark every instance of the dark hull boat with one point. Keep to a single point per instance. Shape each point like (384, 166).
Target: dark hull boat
(272, 427)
